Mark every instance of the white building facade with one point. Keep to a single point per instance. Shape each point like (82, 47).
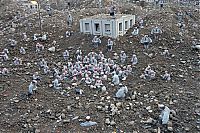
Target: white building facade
(29, 6)
(106, 25)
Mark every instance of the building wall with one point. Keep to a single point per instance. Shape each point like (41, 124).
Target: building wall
(30, 7)
(97, 27)
(86, 29)
(124, 24)
(108, 28)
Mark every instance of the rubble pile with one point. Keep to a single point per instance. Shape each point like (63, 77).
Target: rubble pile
(142, 101)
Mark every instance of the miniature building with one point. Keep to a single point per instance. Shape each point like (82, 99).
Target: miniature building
(30, 6)
(106, 25)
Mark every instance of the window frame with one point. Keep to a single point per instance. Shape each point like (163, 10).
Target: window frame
(97, 29)
(87, 28)
(126, 25)
(120, 27)
(108, 30)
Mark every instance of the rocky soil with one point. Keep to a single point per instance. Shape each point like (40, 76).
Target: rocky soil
(53, 111)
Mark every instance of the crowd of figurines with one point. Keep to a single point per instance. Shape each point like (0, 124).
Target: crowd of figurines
(92, 69)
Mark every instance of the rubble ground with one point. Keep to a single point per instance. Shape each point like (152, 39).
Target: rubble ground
(54, 111)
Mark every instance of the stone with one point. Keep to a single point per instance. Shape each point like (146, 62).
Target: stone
(133, 97)
(50, 85)
(28, 120)
(171, 102)
(37, 131)
(108, 97)
(16, 101)
(119, 105)
(170, 129)
(99, 108)
(173, 112)
(35, 118)
(77, 98)
(66, 121)
(131, 123)
(183, 62)
(148, 108)
(112, 123)
(63, 116)
(169, 124)
(149, 121)
(181, 76)
(103, 89)
(107, 121)
(58, 114)
(25, 125)
(52, 49)
(52, 117)
(187, 129)
(88, 123)
(197, 111)
(76, 117)
(173, 56)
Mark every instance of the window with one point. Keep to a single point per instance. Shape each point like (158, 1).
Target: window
(107, 27)
(131, 23)
(120, 26)
(126, 24)
(31, 6)
(87, 27)
(35, 6)
(97, 27)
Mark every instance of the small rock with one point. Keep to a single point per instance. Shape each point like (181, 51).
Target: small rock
(149, 121)
(133, 97)
(131, 123)
(50, 85)
(28, 120)
(25, 125)
(197, 104)
(52, 117)
(103, 89)
(119, 104)
(197, 111)
(170, 129)
(181, 76)
(112, 123)
(107, 121)
(173, 56)
(108, 97)
(75, 118)
(99, 108)
(171, 102)
(148, 108)
(77, 98)
(66, 121)
(183, 62)
(52, 49)
(16, 101)
(35, 118)
(187, 129)
(63, 116)
(69, 108)
(173, 112)
(58, 114)
(37, 131)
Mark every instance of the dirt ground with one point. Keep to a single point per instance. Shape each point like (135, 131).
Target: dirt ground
(42, 112)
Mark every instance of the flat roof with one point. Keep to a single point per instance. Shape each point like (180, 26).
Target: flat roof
(107, 16)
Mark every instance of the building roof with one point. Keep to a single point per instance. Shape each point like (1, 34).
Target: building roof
(107, 16)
